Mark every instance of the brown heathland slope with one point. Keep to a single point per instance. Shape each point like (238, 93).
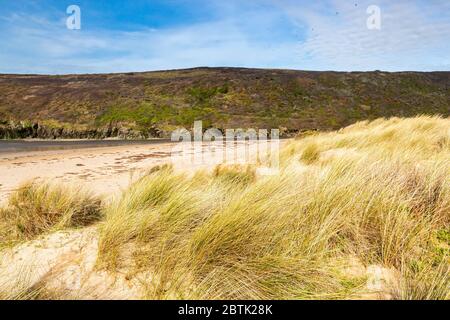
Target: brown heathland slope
(156, 102)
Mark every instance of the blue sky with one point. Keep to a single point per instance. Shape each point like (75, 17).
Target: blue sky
(141, 35)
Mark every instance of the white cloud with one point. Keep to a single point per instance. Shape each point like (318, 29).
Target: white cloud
(412, 36)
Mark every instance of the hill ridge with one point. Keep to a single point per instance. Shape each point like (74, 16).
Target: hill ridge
(142, 104)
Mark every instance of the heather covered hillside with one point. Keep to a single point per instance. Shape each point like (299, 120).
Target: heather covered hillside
(138, 105)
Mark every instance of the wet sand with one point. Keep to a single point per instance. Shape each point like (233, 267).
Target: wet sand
(31, 145)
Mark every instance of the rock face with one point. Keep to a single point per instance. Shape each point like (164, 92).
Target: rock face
(23, 130)
(26, 130)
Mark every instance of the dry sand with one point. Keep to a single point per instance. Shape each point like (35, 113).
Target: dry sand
(105, 170)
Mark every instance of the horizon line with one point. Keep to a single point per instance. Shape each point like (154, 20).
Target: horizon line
(218, 68)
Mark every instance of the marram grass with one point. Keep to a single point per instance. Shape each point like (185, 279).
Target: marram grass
(377, 190)
(42, 207)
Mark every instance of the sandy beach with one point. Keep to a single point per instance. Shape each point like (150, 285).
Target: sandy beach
(103, 170)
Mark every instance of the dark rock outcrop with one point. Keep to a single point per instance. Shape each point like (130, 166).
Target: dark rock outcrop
(27, 130)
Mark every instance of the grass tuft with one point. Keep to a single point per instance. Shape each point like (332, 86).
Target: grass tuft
(37, 208)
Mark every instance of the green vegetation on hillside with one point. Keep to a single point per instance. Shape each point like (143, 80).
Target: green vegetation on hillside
(221, 97)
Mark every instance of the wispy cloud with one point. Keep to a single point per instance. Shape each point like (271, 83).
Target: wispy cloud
(275, 33)
(53, 48)
(413, 36)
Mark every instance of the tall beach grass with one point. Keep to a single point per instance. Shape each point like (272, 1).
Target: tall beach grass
(38, 207)
(376, 190)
